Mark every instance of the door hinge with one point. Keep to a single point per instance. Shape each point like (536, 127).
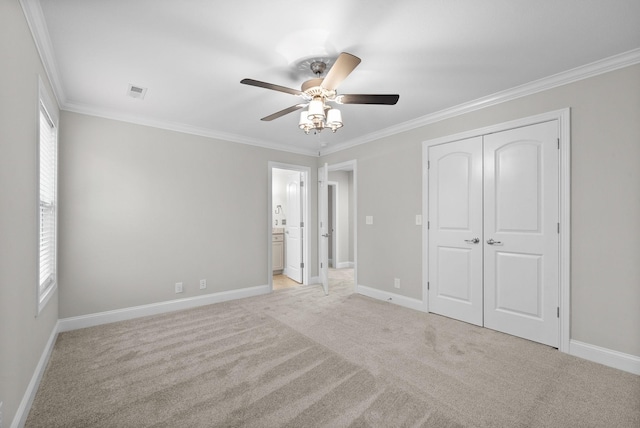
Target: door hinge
(301, 265)
(558, 311)
(428, 164)
(302, 224)
(558, 143)
(558, 227)
(428, 224)
(428, 285)
(302, 184)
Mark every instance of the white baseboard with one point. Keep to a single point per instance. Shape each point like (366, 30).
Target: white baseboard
(83, 321)
(374, 293)
(22, 412)
(618, 360)
(346, 265)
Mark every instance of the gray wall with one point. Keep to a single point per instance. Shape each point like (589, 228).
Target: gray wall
(605, 201)
(142, 208)
(23, 336)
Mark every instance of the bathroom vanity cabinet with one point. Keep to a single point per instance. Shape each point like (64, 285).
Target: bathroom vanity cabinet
(277, 252)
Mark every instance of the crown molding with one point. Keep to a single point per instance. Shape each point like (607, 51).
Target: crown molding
(185, 129)
(570, 76)
(38, 26)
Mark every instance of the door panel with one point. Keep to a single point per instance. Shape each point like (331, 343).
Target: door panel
(520, 232)
(519, 284)
(518, 177)
(454, 272)
(454, 191)
(293, 241)
(455, 230)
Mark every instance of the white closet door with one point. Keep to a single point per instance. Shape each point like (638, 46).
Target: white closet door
(455, 230)
(521, 254)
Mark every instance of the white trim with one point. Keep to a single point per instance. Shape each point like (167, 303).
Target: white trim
(345, 265)
(188, 129)
(618, 360)
(351, 165)
(334, 216)
(563, 117)
(38, 26)
(22, 412)
(306, 235)
(397, 299)
(91, 320)
(602, 66)
(564, 204)
(425, 230)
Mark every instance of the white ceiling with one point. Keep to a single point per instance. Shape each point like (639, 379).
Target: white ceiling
(192, 54)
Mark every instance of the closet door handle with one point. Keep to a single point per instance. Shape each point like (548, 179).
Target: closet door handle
(492, 242)
(472, 241)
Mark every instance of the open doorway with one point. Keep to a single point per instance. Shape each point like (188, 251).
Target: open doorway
(288, 208)
(341, 216)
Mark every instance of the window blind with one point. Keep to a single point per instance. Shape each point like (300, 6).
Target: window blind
(48, 202)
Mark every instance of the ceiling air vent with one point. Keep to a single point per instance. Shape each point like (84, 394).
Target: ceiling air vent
(136, 92)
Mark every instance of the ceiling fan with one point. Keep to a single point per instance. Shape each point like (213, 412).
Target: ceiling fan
(318, 92)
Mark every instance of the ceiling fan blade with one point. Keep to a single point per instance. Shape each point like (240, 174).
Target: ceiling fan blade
(339, 71)
(271, 86)
(368, 99)
(283, 112)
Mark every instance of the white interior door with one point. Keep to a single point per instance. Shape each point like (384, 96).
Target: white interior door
(323, 226)
(521, 251)
(455, 230)
(293, 235)
(501, 189)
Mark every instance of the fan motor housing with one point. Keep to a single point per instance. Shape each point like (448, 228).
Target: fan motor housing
(314, 89)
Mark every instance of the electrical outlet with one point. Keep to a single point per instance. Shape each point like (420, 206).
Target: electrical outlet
(203, 284)
(368, 219)
(418, 220)
(179, 287)
(396, 282)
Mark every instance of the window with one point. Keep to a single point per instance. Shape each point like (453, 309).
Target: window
(48, 171)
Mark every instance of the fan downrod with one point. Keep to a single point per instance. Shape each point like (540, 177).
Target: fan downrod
(318, 67)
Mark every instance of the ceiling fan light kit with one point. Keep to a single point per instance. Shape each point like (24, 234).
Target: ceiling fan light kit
(319, 91)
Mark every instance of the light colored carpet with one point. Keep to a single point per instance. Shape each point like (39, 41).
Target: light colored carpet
(297, 358)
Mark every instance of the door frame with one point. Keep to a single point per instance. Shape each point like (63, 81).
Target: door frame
(305, 194)
(333, 216)
(563, 116)
(350, 165)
